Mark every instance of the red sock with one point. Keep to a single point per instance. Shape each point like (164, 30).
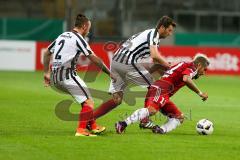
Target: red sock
(93, 124)
(104, 108)
(85, 115)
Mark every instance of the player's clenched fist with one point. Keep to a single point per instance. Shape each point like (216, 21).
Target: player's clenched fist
(204, 96)
(46, 79)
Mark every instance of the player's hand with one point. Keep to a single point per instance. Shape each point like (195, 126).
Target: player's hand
(46, 79)
(113, 77)
(204, 96)
(168, 65)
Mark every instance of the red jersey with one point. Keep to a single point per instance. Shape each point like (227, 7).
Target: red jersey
(174, 77)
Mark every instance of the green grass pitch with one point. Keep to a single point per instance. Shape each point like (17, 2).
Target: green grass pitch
(29, 128)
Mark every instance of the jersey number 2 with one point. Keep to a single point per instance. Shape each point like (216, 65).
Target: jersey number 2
(61, 47)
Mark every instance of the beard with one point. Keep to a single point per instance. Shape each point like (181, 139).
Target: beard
(162, 37)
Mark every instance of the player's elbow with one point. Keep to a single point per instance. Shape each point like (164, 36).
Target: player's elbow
(46, 53)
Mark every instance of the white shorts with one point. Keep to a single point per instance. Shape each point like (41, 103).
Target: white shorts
(129, 74)
(72, 85)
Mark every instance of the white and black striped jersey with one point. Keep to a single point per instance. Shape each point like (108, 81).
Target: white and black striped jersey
(137, 47)
(67, 48)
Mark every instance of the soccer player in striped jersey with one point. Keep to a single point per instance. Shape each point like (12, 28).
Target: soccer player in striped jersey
(127, 65)
(64, 52)
(159, 93)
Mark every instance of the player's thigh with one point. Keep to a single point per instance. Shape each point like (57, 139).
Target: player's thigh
(138, 75)
(171, 110)
(117, 70)
(58, 87)
(117, 86)
(154, 101)
(117, 97)
(78, 89)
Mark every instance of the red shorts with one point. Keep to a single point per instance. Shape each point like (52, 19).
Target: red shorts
(161, 103)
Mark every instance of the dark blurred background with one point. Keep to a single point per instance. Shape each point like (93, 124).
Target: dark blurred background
(202, 22)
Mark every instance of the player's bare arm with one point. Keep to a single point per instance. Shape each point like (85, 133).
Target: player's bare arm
(156, 67)
(191, 85)
(96, 60)
(157, 57)
(164, 28)
(46, 60)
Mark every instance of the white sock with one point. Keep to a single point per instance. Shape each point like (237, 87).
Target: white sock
(170, 125)
(137, 116)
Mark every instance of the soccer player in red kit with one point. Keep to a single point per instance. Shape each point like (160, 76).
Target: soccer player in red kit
(159, 93)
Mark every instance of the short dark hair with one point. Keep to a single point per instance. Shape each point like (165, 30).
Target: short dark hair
(166, 22)
(80, 20)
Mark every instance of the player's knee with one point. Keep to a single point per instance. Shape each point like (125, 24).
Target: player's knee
(90, 103)
(117, 98)
(152, 110)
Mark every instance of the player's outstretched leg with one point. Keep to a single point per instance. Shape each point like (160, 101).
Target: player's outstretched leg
(170, 125)
(135, 117)
(175, 118)
(109, 105)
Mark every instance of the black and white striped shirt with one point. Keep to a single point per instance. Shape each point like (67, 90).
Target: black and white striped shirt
(66, 50)
(137, 47)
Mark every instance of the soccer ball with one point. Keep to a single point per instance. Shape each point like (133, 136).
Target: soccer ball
(204, 127)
